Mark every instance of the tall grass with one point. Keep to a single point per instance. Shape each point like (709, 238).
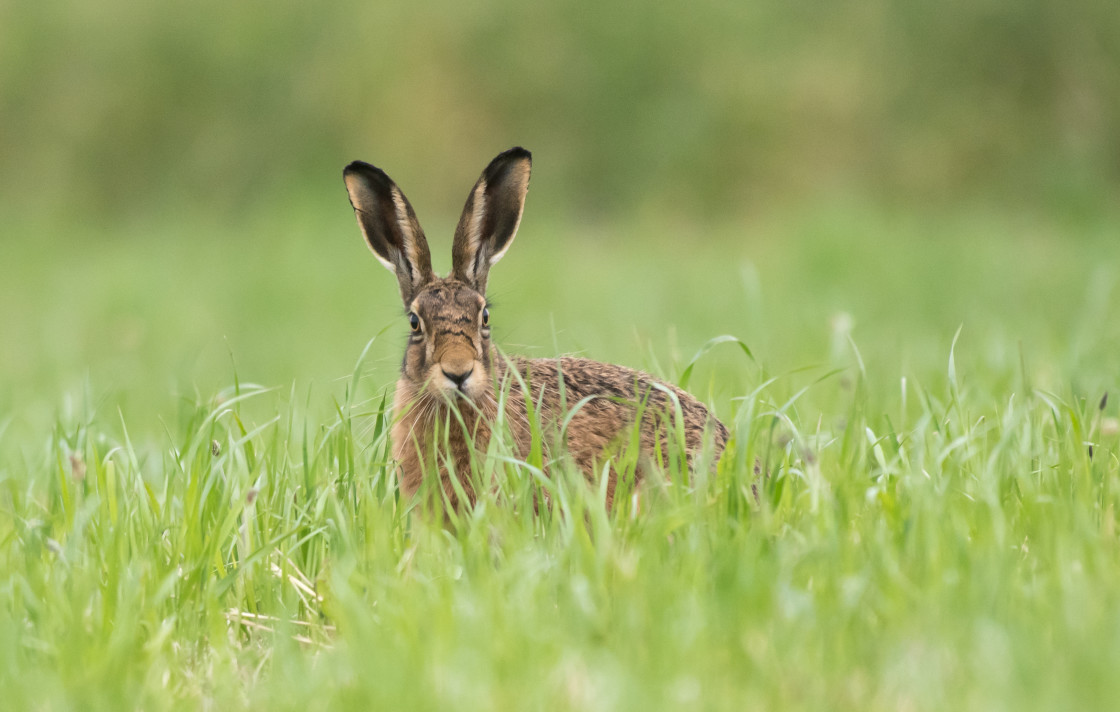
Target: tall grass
(957, 551)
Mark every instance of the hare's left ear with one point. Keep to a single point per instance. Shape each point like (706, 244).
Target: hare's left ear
(490, 217)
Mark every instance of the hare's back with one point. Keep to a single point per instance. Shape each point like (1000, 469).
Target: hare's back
(611, 397)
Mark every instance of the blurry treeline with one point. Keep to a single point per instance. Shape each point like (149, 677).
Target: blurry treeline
(704, 107)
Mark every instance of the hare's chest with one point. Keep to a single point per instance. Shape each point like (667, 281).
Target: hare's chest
(432, 440)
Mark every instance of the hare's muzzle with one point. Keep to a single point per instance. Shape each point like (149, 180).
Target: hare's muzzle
(457, 370)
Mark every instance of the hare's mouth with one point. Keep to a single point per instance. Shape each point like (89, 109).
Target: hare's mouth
(457, 395)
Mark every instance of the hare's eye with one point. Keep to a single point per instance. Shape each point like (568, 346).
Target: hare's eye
(414, 321)
(485, 317)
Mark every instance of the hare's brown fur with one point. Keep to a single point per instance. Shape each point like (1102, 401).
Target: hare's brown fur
(451, 376)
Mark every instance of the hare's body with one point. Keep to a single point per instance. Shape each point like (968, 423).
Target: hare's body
(425, 425)
(452, 377)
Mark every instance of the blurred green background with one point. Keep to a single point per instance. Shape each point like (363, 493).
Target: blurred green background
(788, 172)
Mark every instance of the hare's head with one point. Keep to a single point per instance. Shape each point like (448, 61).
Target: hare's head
(449, 345)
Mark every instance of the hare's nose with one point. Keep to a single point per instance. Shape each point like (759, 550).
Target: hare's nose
(458, 378)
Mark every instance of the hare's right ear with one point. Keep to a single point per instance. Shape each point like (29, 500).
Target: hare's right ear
(490, 217)
(390, 226)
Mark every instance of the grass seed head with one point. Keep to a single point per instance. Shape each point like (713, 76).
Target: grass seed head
(77, 467)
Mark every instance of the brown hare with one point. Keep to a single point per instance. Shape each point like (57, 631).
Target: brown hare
(447, 397)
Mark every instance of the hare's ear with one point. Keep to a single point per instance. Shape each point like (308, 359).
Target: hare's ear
(490, 217)
(390, 226)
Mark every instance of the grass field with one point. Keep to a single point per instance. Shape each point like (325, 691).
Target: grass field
(197, 508)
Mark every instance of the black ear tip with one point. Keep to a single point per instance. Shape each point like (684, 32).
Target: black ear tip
(361, 167)
(355, 167)
(517, 152)
(505, 161)
(371, 174)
